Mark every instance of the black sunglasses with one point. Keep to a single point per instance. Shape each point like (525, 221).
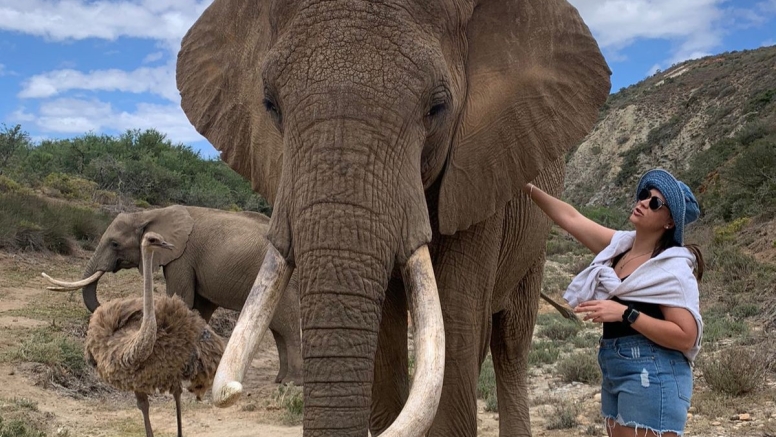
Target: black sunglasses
(655, 202)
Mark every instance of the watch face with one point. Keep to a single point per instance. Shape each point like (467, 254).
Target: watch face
(633, 315)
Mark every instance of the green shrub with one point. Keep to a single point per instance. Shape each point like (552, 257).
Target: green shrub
(558, 328)
(8, 185)
(28, 222)
(581, 367)
(718, 326)
(736, 371)
(486, 385)
(563, 415)
(72, 187)
(726, 233)
(17, 428)
(290, 398)
(543, 352)
(54, 349)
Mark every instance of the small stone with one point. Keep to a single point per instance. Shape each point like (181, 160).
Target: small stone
(689, 416)
(12, 372)
(715, 423)
(692, 409)
(597, 397)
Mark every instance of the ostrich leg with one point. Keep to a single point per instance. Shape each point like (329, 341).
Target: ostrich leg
(142, 404)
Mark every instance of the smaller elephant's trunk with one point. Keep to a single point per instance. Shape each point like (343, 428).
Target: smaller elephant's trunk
(252, 324)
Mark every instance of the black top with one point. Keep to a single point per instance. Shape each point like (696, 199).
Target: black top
(622, 329)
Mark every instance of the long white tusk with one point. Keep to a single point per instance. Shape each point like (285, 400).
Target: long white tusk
(66, 286)
(418, 413)
(250, 328)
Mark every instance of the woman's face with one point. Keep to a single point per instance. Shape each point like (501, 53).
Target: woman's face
(651, 212)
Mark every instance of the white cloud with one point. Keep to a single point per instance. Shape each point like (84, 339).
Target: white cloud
(59, 20)
(768, 43)
(155, 80)
(153, 57)
(77, 116)
(695, 28)
(689, 23)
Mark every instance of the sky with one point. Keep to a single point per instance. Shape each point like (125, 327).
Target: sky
(68, 67)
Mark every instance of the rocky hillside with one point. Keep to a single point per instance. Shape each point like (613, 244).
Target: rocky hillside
(705, 120)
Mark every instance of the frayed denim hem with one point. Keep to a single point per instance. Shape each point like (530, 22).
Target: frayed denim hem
(636, 426)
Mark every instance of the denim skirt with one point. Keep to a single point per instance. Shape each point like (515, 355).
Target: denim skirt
(644, 385)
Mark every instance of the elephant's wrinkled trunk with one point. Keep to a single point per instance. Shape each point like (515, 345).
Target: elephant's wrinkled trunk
(343, 271)
(89, 292)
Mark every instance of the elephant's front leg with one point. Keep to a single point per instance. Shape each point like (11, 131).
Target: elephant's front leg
(465, 268)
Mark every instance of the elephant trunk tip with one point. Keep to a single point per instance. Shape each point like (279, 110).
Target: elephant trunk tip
(228, 394)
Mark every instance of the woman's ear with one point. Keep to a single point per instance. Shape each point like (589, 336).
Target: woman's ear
(219, 76)
(535, 82)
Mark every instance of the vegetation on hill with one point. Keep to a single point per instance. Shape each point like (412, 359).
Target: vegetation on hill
(710, 121)
(99, 176)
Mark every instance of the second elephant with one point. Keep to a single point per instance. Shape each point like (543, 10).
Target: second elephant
(216, 258)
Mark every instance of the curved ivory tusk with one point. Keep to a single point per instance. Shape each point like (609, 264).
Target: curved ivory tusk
(66, 286)
(250, 328)
(418, 413)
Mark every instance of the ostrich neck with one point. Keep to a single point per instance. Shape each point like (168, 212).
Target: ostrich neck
(143, 343)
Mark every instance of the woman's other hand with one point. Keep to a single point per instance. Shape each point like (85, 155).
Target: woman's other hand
(600, 311)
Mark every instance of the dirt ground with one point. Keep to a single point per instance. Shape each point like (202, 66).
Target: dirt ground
(25, 305)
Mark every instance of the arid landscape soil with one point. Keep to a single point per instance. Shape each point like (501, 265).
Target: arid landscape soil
(71, 407)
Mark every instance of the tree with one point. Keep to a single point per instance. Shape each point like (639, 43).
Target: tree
(12, 142)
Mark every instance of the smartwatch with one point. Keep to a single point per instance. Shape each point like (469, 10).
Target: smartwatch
(630, 315)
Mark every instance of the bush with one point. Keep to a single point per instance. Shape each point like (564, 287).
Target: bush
(543, 352)
(563, 415)
(486, 385)
(581, 367)
(17, 428)
(55, 349)
(555, 327)
(291, 399)
(72, 187)
(736, 371)
(28, 222)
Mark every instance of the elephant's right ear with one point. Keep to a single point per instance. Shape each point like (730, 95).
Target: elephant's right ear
(174, 224)
(219, 78)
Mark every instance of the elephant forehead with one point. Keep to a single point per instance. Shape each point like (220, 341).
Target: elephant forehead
(360, 43)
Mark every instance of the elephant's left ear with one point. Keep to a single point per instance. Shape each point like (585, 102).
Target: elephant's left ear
(536, 80)
(174, 224)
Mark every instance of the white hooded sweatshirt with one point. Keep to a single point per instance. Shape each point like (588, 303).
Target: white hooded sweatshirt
(666, 279)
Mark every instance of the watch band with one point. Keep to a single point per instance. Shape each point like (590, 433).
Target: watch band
(630, 315)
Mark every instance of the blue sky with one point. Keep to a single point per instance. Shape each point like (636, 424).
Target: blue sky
(68, 67)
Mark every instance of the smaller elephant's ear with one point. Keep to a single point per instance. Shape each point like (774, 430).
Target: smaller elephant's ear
(535, 83)
(219, 76)
(174, 224)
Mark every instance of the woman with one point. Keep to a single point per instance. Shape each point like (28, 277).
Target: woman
(641, 286)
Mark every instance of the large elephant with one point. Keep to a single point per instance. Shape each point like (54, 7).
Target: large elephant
(378, 129)
(216, 257)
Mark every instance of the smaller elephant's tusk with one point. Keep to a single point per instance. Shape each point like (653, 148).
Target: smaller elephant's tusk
(419, 410)
(250, 328)
(67, 286)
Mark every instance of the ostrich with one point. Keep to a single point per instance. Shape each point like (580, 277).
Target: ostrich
(143, 346)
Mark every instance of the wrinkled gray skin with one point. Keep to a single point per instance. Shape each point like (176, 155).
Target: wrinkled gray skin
(215, 260)
(375, 127)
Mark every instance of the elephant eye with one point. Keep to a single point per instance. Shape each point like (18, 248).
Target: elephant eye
(436, 109)
(273, 109)
(114, 244)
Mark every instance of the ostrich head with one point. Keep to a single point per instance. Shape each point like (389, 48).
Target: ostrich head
(153, 242)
